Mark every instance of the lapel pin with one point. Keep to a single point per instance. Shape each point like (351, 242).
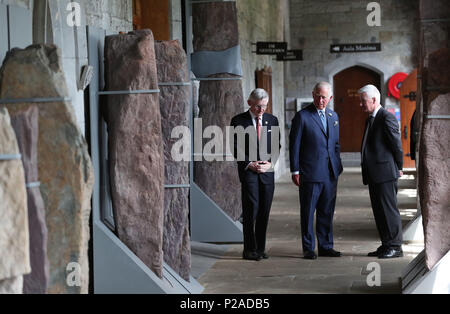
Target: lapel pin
(330, 114)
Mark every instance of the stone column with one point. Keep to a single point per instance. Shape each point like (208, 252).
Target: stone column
(215, 28)
(64, 166)
(25, 125)
(174, 104)
(136, 156)
(14, 238)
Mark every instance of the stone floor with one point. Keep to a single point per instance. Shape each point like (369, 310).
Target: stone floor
(220, 268)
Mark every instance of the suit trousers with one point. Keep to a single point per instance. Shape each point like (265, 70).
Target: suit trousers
(256, 202)
(383, 197)
(320, 196)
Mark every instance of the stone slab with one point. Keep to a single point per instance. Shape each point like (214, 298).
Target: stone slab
(174, 103)
(14, 238)
(136, 152)
(215, 28)
(25, 125)
(64, 166)
(434, 189)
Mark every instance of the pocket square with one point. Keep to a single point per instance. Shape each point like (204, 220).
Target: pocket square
(269, 131)
(336, 123)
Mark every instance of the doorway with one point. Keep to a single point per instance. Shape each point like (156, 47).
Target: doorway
(346, 104)
(408, 92)
(152, 14)
(264, 80)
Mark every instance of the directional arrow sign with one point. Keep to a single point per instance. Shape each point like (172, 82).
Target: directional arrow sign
(371, 47)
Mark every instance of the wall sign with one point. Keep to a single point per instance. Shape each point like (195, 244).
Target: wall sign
(355, 48)
(270, 48)
(291, 55)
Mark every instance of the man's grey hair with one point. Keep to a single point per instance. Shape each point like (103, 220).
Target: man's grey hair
(371, 91)
(258, 94)
(324, 85)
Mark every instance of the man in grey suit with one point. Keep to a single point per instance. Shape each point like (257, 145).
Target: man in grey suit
(382, 164)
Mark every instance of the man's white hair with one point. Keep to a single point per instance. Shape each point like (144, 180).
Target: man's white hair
(324, 85)
(371, 91)
(258, 94)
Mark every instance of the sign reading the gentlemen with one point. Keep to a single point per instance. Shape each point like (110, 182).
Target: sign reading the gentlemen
(355, 48)
(270, 48)
(291, 55)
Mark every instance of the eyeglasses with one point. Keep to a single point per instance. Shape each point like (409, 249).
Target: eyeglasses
(261, 107)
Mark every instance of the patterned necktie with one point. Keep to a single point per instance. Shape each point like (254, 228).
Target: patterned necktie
(324, 121)
(258, 128)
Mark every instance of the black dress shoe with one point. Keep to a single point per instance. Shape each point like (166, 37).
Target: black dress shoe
(309, 255)
(391, 253)
(251, 256)
(329, 253)
(379, 250)
(263, 255)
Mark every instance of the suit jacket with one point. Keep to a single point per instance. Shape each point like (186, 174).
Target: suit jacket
(383, 155)
(251, 147)
(313, 151)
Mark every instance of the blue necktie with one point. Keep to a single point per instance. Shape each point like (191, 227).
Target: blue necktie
(324, 121)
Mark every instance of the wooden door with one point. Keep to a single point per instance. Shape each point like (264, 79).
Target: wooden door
(264, 80)
(152, 14)
(408, 92)
(347, 105)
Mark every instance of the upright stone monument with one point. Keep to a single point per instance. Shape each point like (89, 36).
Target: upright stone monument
(434, 170)
(64, 166)
(215, 28)
(25, 126)
(135, 144)
(14, 239)
(175, 104)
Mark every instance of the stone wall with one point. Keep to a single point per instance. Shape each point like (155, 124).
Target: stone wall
(109, 14)
(263, 20)
(315, 25)
(27, 4)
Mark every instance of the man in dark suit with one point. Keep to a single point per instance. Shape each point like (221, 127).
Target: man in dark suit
(255, 167)
(382, 162)
(315, 165)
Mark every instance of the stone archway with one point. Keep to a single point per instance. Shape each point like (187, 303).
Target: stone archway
(384, 70)
(346, 84)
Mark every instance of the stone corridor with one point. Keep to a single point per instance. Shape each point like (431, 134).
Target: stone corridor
(287, 272)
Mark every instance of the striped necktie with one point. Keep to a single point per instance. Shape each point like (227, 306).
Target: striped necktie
(324, 121)
(258, 127)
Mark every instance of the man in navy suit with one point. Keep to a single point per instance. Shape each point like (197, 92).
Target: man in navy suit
(315, 166)
(382, 164)
(255, 167)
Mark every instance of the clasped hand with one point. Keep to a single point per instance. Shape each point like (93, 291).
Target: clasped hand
(260, 166)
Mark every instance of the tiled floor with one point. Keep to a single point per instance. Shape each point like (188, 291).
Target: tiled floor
(220, 268)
